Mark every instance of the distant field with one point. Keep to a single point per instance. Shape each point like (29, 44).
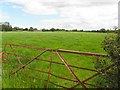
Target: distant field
(88, 42)
(85, 42)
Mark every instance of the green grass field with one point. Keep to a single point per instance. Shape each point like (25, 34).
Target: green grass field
(79, 41)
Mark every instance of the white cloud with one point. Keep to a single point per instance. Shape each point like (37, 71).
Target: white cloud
(85, 18)
(38, 9)
(3, 16)
(33, 7)
(53, 6)
(16, 7)
(86, 14)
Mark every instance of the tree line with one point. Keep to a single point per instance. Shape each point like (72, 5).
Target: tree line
(7, 27)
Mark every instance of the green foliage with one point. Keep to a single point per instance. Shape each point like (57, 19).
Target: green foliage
(102, 30)
(111, 45)
(6, 28)
(31, 29)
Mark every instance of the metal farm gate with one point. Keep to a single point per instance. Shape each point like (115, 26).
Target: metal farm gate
(10, 50)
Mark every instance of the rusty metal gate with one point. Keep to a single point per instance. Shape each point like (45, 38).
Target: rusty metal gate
(10, 50)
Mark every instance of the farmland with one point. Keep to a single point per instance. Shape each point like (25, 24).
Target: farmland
(88, 42)
(77, 41)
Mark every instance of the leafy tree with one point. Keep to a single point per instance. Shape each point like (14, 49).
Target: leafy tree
(18, 29)
(74, 30)
(43, 30)
(31, 29)
(102, 30)
(26, 29)
(81, 30)
(52, 29)
(6, 27)
(35, 29)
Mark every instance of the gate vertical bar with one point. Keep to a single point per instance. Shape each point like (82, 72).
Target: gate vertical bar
(50, 68)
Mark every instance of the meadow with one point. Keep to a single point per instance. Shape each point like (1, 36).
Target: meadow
(77, 41)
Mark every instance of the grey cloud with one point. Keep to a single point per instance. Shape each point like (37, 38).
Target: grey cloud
(102, 3)
(89, 3)
(79, 3)
(56, 4)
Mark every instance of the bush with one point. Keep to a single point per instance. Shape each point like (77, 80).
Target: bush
(111, 45)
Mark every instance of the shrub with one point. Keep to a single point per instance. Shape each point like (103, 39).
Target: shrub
(111, 45)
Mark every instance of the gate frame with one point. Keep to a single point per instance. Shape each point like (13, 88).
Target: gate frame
(76, 79)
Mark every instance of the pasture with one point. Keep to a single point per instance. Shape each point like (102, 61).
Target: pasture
(77, 41)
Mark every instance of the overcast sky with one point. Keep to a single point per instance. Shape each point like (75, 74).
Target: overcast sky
(67, 14)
